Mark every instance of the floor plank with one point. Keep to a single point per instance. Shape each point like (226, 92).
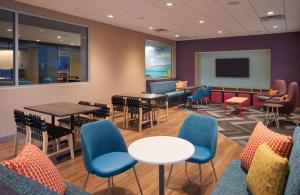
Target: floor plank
(73, 170)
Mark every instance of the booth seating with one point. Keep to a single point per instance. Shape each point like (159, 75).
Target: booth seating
(169, 88)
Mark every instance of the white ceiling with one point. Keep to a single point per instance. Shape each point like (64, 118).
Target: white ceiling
(182, 18)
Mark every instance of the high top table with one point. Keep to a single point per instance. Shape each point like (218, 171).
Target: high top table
(161, 150)
(236, 102)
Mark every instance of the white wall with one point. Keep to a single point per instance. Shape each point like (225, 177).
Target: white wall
(259, 69)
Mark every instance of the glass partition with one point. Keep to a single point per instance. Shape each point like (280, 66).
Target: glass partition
(51, 51)
(6, 48)
(158, 59)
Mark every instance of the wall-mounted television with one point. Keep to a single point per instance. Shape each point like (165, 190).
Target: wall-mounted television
(232, 67)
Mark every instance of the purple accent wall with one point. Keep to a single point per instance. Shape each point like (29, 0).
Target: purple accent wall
(285, 53)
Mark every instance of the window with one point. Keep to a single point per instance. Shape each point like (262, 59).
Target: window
(48, 51)
(158, 59)
(6, 48)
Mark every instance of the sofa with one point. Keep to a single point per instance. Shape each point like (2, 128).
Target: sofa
(14, 183)
(234, 182)
(169, 88)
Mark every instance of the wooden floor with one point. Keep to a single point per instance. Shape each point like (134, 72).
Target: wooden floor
(74, 172)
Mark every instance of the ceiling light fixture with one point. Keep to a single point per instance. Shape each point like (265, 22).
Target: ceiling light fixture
(110, 16)
(169, 4)
(72, 44)
(220, 31)
(9, 29)
(58, 36)
(275, 26)
(269, 13)
(201, 21)
(61, 40)
(20, 35)
(176, 36)
(38, 40)
(42, 30)
(150, 28)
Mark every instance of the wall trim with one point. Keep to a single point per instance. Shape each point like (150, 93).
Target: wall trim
(7, 138)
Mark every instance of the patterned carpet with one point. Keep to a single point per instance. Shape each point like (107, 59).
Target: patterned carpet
(239, 129)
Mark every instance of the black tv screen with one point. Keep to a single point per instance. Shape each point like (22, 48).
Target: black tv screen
(232, 67)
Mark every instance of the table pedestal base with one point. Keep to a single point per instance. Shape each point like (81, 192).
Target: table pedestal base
(161, 179)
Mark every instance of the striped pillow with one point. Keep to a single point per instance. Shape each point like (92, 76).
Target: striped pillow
(280, 144)
(34, 164)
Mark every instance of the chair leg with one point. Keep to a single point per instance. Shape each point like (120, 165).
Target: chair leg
(45, 142)
(185, 168)
(151, 119)
(212, 164)
(71, 145)
(86, 180)
(137, 180)
(112, 182)
(108, 183)
(140, 119)
(16, 143)
(169, 175)
(200, 173)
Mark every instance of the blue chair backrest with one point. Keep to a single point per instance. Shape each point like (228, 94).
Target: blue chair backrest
(293, 182)
(47, 80)
(199, 93)
(200, 130)
(98, 138)
(207, 91)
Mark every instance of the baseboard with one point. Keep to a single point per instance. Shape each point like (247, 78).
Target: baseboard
(7, 138)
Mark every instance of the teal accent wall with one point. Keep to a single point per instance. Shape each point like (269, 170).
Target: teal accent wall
(259, 69)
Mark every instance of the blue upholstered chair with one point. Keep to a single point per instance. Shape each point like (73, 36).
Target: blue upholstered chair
(104, 151)
(207, 91)
(202, 132)
(197, 95)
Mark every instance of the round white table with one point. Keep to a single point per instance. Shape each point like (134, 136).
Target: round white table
(161, 150)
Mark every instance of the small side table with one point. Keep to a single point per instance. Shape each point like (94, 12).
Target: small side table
(272, 113)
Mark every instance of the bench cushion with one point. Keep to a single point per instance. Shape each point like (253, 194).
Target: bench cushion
(233, 181)
(175, 94)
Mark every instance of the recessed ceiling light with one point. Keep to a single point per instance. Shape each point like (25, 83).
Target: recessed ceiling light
(150, 28)
(201, 21)
(61, 40)
(176, 36)
(42, 30)
(110, 16)
(38, 40)
(220, 31)
(9, 29)
(20, 35)
(58, 36)
(270, 13)
(72, 44)
(169, 4)
(275, 26)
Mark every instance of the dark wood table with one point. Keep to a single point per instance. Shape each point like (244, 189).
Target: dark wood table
(146, 96)
(62, 109)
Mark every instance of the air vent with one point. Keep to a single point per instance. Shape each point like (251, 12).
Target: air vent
(272, 18)
(183, 38)
(159, 30)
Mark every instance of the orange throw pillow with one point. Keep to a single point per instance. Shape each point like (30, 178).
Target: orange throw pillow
(280, 144)
(34, 164)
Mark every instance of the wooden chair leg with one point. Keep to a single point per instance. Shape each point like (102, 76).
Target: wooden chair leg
(140, 119)
(71, 145)
(86, 180)
(45, 142)
(16, 143)
(158, 117)
(151, 118)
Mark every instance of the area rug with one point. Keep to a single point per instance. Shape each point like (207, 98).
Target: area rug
(239, 129)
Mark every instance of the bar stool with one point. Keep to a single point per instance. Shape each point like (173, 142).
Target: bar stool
(21, 120)
(272, 113)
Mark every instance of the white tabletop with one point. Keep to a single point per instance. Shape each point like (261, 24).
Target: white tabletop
(161, 150)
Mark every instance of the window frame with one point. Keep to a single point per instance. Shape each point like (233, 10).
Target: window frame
(16, 49)
(172, 59)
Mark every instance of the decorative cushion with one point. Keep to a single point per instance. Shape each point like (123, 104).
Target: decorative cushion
(272, 92)
(32, 163)
(280, 144)
(268, 172)
(179, 84)
(284, 97)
